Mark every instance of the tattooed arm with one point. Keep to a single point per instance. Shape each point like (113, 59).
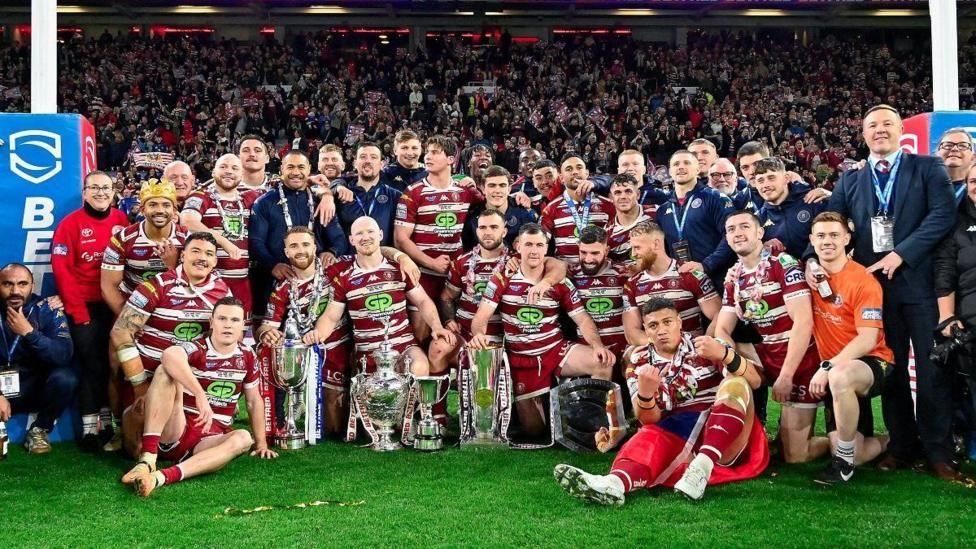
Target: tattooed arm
(123, 337)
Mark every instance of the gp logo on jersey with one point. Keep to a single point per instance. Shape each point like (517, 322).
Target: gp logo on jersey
(221, 389)
(378, 303)
(445, 220)
(321, 307)
(479, 287)
(529, 315)
(35, 155)
(187, 331)
(599, 305)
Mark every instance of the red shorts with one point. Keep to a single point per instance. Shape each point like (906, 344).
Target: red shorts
(432, 285)
(182, 449)
(241, 289)
(800, 396)
(533, 375)
(335, 369)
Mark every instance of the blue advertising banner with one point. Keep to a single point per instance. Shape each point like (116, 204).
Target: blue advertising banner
(43, 159)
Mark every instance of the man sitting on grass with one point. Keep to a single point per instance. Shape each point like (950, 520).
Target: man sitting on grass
(191, 404)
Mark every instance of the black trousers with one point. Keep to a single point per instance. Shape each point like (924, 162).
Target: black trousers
(45, 391)
(91, 355)
(925, 429)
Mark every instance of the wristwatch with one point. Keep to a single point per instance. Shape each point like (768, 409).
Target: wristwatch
(826, 365)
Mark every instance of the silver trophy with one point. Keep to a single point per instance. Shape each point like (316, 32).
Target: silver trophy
(482, 398)
(290, 364)
(382, 396)
(430, 434)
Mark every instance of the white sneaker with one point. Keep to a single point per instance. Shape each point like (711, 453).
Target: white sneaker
(602, 489)
(695, 479)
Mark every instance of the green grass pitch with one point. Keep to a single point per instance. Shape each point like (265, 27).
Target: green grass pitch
(461, 497)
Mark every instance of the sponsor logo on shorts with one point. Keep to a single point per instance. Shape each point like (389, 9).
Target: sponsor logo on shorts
(187, 331)
(871, 314)
(529, 315)
(379, 303)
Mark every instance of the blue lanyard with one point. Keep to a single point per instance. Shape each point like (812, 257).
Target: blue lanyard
(680, 225)
(885, 198)
(580, 222)
(960, 191)
(11, 349)
(372, 203)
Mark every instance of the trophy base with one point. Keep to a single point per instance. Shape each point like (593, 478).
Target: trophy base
(428, 443)
(484, 441)
(387, 446)
(293, 442)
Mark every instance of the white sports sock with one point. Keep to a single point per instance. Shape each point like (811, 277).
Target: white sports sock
(845, 450)
(89, 424)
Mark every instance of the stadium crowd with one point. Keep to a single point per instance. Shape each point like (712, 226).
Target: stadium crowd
(703, 293)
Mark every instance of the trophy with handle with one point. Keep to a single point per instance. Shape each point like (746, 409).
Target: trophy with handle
(381, 396)
(291, 362)
(430, 434)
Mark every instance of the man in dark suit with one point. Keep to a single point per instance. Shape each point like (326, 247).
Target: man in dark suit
(902, 205)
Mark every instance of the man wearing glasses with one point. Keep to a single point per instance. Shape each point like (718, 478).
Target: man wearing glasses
(956, 150)
(76, 259)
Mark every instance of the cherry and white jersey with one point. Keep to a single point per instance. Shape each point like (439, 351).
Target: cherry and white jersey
(602, 296)
(531, 329)
(436, 216)
(561, 225)
(234, 223)
(688, 382)
(618, 236)
(372, 296)
(223, 377)
(132, 252)
(781, 280)
(177, 312)
(279, 304)
(469, 276)
(686, 290)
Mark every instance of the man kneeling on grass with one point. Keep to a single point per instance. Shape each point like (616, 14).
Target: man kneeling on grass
(191, 404)
(690, 395)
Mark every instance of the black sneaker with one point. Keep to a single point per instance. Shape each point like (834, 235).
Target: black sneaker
(837, 472)
(90, 443)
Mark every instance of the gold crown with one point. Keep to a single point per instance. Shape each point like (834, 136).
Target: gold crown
(155, 188)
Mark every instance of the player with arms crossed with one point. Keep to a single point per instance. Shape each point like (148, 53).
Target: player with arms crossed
(537, 351)
(192, 401)
(768, 290)
(684, 404)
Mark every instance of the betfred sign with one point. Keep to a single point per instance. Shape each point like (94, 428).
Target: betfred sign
(922, 131)
(43, 160)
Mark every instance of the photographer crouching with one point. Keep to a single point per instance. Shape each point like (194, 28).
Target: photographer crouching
(955, 286)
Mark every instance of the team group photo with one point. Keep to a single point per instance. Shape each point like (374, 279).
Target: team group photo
(488, 273)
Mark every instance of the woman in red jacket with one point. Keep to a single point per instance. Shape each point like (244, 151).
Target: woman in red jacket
(76, 259)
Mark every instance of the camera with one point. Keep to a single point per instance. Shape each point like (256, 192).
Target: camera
(959, 339)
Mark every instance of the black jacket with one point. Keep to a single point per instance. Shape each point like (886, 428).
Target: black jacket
(955, 263)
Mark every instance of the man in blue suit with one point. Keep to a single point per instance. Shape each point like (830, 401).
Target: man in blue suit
(902, 205)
